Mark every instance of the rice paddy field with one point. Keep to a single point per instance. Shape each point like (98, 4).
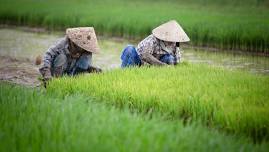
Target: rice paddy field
(193, 108)
(226, 24)
(33, 120)
(231, 101)
(212, 101)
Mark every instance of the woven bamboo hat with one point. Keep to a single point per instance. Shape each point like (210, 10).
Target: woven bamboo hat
(171, 32)
(84, 37)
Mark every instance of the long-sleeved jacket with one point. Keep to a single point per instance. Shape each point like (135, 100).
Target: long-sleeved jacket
(60, 48)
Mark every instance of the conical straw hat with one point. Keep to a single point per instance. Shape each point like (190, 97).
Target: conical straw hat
(171, 32)
(84, 37)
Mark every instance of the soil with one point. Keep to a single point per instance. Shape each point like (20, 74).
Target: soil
(22, 72)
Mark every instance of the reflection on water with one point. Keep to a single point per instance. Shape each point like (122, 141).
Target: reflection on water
(228, 59)
(20, 44)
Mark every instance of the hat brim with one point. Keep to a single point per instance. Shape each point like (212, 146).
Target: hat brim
(171, 32)
(84, 37)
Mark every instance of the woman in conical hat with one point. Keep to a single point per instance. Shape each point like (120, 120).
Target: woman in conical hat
(159, 48)
(72, 54)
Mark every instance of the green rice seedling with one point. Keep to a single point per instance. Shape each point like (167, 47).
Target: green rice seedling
(223, 24)
(234, 101)
(33, 120)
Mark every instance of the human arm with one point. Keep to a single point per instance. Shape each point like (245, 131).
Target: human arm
(146, 49)
(147, 57)
(48, 59)
(177, 53)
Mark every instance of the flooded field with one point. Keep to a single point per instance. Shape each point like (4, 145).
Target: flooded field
(19, 48)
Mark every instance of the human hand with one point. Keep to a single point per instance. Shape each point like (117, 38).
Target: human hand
(98, 70)
(46, 78)
(94, 70)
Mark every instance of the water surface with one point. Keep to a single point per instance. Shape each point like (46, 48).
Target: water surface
(20, 44)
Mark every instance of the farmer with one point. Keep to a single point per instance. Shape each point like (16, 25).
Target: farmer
(160, 48)
(71, 55)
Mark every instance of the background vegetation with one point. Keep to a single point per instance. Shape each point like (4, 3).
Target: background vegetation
(227, 24)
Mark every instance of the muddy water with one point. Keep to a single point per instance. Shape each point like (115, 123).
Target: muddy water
(228, 59)
(18, 49)
(19, 44)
